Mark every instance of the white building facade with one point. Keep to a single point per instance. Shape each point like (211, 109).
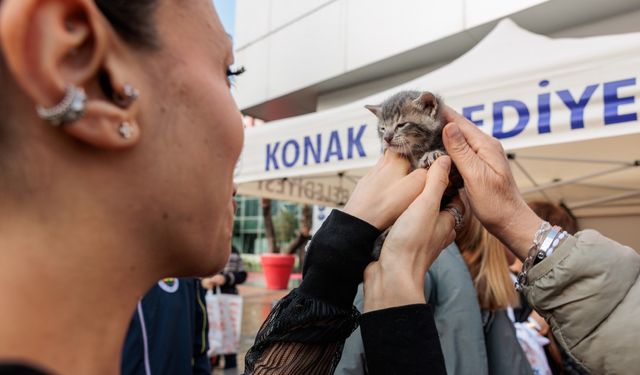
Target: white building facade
(306, 55)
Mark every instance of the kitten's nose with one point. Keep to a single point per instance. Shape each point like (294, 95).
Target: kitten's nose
(388, 137)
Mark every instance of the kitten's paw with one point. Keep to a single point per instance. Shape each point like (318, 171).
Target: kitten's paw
(430, 158)
(422, 163)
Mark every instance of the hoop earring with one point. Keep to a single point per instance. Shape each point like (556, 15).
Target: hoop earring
(70, 109)
(128, 96)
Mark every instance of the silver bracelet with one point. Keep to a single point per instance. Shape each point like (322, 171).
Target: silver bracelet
(545, 241)
(556, 242)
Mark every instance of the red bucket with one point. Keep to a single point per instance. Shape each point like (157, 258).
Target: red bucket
(277, 269)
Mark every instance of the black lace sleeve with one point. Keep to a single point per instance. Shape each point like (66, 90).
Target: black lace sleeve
(305, 331)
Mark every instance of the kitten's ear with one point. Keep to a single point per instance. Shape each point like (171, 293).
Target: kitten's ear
(427, 102)
(375, 109)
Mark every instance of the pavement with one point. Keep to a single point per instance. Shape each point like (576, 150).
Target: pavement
(257, 303)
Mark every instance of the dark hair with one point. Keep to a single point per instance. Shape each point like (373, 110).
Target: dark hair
(556, 215)
(132, 19)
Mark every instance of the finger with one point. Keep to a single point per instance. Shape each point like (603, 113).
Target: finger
(394, 167)
(457, 209)
(415, 180)
(407, 189)
(446, 222)
(475, 137)
(462, 194)
(459, 203)
(465, 158)
(452, 237)
(402, 195)
(445, 227)
(464, 200)
(450, 114)
(395, 161)
(437, 182)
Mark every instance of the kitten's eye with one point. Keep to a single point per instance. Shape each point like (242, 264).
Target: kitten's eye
(382, 129)
(399, 126)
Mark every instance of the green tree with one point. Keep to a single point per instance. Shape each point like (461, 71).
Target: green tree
(269, 230)
(286, 225)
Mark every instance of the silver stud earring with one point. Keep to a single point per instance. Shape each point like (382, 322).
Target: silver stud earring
(127, 97)
(70, 109)
(125, 130)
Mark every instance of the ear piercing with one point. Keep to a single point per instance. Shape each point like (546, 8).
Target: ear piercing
(127, 97)
(71, 108)
(125, 130)
(124, 100)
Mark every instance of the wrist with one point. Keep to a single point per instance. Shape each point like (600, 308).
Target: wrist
(385, 289)
(363, 214)
(518, 235)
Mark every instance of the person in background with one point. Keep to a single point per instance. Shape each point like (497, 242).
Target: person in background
(586, 286)
(449, 291)
(559, 360)
(530, 331)
(232, 275)
(168, 332)
(487, 264)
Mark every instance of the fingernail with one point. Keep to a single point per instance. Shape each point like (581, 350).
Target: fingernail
(446, 161)
(453, 131)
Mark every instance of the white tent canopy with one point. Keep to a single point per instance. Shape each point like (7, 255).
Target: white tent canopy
(565, 109)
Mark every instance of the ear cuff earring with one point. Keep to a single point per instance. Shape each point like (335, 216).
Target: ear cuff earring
(71, 108)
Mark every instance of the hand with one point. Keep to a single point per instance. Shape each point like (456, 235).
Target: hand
(414, 242)
(544, 326)
(490, 187)
(385, 191)
(213, 281)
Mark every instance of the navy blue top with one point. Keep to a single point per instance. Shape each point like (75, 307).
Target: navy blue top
(168, 332)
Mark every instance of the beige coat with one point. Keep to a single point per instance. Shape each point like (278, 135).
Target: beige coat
(589, 292)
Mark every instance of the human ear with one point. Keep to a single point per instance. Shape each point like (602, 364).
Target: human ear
(49, 45)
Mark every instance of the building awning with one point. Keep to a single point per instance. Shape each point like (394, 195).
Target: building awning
(566, 110)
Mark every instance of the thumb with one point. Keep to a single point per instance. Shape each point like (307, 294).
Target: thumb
(436, 184)
(463, 156)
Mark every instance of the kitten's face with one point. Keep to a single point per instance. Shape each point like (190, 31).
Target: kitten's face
(409, 123)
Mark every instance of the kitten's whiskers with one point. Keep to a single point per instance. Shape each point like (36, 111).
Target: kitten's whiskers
(405, 148)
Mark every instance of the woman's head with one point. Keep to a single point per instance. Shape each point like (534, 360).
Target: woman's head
(556, 215)
(165, 193)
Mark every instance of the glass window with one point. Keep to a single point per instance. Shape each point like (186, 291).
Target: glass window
(251, 207)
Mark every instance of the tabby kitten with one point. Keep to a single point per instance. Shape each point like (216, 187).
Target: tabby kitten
(410, 123)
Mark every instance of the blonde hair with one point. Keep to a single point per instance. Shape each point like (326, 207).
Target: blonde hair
(486, 259)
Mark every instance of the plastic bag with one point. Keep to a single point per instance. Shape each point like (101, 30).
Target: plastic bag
(225, 322)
